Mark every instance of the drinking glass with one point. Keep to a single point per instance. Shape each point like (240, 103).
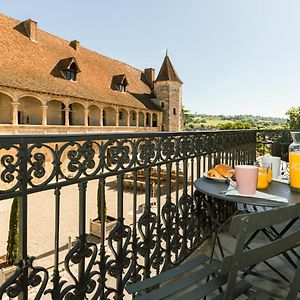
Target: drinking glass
(263, 175)
(270, 174)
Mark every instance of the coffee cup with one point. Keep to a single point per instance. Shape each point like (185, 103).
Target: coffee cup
(246, 179)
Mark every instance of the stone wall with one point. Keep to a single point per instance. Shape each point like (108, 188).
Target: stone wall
(169, 97)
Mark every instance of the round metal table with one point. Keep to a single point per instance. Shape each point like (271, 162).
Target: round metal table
(217, 190)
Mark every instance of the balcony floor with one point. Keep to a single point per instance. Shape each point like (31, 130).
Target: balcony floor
(275, 290)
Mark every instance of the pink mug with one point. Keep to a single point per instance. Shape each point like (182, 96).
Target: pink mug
(246, 179)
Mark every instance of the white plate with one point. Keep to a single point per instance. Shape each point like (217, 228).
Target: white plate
(214, 178)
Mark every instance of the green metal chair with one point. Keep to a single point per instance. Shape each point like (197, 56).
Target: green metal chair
(189, 279)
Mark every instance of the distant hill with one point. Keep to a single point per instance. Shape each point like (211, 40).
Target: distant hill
(204, 121)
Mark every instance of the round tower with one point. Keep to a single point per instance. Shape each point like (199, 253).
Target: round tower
(168, 93)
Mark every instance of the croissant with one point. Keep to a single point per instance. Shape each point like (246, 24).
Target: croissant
(220, 171)
(223, 169)
(214, 173)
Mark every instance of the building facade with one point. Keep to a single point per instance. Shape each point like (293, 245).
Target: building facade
(50, 85)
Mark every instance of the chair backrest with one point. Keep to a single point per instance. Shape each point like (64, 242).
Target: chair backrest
(245, 225)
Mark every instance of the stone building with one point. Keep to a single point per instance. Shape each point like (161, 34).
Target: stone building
(50, 85)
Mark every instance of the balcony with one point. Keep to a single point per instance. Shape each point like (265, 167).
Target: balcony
(146, 180)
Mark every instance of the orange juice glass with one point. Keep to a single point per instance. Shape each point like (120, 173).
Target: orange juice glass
(294, 161)
(263, 176)
(270, 175)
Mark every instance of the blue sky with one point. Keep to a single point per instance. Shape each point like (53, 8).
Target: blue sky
(234, 56)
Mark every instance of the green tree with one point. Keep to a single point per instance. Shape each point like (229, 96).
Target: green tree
(294, 118)
(234, 125)
(12, 255)
(188, 117)
(100, 198)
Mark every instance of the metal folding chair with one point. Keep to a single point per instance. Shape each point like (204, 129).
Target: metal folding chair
(188, 280)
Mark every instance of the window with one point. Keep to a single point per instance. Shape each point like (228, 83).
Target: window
(20, 117)
(104, 118)
(162, 127)
(68, 68)
(174, 111)
(70, 75)
(162, 105)
(63, 114)
(120, 115)
(119, 83)
(133, 116)
(147, 119)
(121, 87)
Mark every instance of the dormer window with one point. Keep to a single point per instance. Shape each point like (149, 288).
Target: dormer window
(120, 87)
(119, 83)
(70, 74)
(67, 68)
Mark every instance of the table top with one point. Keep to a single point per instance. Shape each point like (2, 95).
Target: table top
(216, 190)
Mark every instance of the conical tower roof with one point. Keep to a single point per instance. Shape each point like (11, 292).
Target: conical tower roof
(167, 71)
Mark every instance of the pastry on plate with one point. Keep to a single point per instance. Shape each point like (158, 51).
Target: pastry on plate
(220, 171)
(213, 173)
(223, 169)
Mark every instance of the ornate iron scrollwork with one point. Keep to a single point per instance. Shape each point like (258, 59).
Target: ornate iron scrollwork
(10, 166)
(17, 282)
(168, 148)
(159, 240)
(84, 283)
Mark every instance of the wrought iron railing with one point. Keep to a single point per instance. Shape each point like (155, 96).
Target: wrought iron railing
(149, 174)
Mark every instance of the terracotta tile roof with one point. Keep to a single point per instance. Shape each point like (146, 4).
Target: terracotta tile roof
(144, 98)
(28, 65)
(167, 71)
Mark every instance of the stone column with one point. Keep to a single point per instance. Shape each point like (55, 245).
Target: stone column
(86, 117)
(128, 119)
(101, 117)
(117, 117)
(67, 121)
(137, 118)
(15, 106)
(160, 120)
(44, 115)
(150, 120)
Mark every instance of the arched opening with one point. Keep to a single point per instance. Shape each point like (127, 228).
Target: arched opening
(109, 116)
(154, 120)
(141, 120)
(94, 116)
(132, 121)
(55, 113)
(76, 114)
(30, 111)
(6, 109)
(123, 117)
(147, 120)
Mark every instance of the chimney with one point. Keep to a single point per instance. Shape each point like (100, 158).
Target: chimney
(149, 74)
(31, 29)
(75, 44)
